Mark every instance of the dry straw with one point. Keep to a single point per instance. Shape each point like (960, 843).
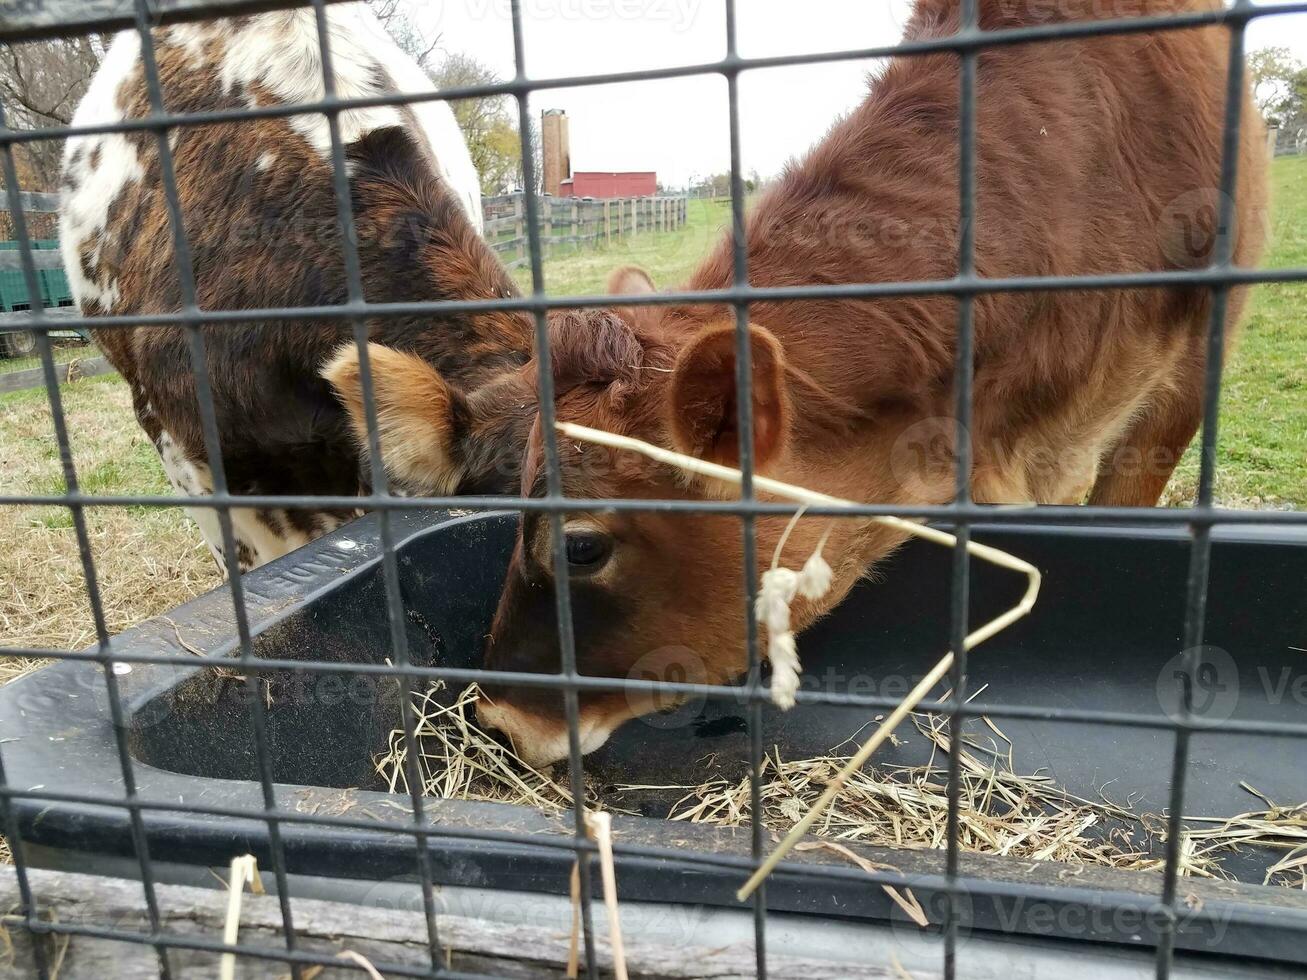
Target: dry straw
(1280, 828)
(244, 871)
(1027, 817)
(917, 694)
(599, 826)
(458, 761)
(1000, 811)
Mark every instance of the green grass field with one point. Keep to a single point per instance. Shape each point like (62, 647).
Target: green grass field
(1263, 430)
(669, 257)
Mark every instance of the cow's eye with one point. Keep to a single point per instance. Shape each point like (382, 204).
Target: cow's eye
(587, 550)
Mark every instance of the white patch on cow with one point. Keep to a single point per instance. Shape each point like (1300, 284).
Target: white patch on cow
(85, 210)
(183, 473)
(191, 478)
(263, 541)
(279, 51)
(266, 160)
(326, 523)
(192, 38)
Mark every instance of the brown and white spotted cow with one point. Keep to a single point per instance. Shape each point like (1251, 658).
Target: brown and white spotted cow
(260, 218)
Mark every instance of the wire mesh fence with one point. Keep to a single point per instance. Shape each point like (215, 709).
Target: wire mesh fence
(422, 832)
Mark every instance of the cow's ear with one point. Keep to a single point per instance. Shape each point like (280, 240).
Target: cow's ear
(416, 415)
(704, 416)
(631, 280)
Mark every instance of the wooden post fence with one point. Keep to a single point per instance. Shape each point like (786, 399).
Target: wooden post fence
(588, 223)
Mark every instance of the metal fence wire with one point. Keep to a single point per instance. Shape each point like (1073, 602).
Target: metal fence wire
(21, 21)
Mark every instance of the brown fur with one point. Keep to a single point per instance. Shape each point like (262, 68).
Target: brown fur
(1093, 156)
(593, 347)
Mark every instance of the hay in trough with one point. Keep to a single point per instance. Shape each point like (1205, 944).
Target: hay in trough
(1000, 812)
(1280, 828)
(458, 761)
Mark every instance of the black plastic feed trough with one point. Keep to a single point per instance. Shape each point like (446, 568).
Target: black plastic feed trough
(1102, 641)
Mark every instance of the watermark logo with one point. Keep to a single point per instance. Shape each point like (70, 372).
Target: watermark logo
(1190, 227)
(919, 912)
(923, 459)
(668, 709)
(680, 14)
(1208, 677)
(549, 913)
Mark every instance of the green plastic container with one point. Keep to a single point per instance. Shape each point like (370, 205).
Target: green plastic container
(54, 284)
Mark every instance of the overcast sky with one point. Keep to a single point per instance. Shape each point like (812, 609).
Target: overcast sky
(679, 126)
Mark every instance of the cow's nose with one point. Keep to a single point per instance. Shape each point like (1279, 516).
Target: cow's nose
(495, 722)
(487, 721)
(536, 741)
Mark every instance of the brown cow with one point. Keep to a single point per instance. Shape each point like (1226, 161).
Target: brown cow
(1094, 156)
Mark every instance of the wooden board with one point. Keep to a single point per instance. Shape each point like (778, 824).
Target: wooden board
(70, 371)
(34, 202)
(17, 319)
(385, 936)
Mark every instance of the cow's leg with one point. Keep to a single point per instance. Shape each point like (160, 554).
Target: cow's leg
(270, 532)
(266, 533)
(1136, 470)
(192, 479)
(261, 533)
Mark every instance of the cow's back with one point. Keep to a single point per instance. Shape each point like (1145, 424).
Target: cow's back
(1095, 156)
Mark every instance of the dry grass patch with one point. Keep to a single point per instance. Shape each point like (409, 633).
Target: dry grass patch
(1001, 811)
(147, 560)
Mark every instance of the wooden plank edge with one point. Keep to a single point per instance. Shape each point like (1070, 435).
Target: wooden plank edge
(385, 936)
(68, 371)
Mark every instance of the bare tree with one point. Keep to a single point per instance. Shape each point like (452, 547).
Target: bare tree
(488, 123)
(1280, 88)
(41, 83)
(395, 17)
(535, 146)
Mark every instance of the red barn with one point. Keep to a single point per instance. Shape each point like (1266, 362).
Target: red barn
(593, 183)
